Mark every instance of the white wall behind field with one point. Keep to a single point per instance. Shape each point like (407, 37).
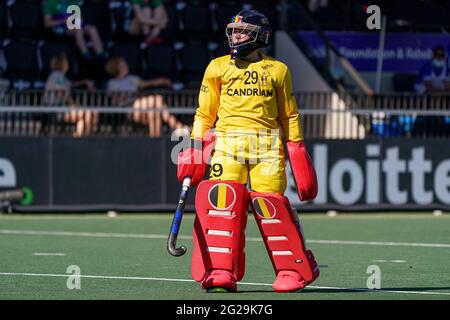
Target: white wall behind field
(304, 75)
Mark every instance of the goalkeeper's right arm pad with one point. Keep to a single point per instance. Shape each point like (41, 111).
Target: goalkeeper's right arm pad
(193, 161)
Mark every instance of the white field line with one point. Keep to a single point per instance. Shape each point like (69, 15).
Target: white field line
(257, 239)
(49, 254)
(380, 243)
(393, 261)
(242, 283)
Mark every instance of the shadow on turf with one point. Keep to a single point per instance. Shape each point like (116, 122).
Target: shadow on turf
(305, 291)
(330, 290)
(354, 290)
(417, 289)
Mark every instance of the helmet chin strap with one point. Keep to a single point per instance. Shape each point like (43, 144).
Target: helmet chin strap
(239, 53)
(253, 58)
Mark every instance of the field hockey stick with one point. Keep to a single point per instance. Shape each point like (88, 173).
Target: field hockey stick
(176, 222)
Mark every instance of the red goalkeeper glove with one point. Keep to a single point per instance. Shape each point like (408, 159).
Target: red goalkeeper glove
(193, 161)
(303, 170)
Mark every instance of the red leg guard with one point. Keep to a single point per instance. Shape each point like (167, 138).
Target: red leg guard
(282, 236)
(219, 229)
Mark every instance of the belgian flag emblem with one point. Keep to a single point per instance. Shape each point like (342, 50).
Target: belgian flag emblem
(237, 19)
(222, 196)
(264, 208)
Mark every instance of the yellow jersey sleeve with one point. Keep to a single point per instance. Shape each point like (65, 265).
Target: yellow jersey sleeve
(288, 116)
(209, 98)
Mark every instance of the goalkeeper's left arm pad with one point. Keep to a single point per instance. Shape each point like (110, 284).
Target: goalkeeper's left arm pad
(303, 170)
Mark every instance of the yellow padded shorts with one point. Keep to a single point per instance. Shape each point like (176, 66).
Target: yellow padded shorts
(259, 157)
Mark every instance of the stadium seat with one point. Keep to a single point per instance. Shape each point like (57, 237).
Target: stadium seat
(395, 20)
(91, 11)
(132, 55)
(296, 20)
(268, 8)
(172, 30)
(21, 61)
(330, 18)
(258, 4)
(424, 15)
(223, 13)
(3, 19)
(2, 60)
(26, 19)
(416, 15)
(121, 12)
(160, 61)
(404, 82)
(196, 23)
(194, 60)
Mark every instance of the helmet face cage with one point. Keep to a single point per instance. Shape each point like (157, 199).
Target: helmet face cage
(250, 23)
(244, 28)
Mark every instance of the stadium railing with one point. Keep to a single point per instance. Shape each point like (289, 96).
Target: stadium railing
(328, 115)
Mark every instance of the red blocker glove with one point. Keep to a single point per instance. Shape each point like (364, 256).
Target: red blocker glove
(303, 170)
(193, 161)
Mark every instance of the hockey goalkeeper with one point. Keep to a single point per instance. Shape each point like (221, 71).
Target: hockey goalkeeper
(247, 97)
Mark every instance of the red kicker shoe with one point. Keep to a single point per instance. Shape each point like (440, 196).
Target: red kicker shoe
(220, 281)
(288, 281)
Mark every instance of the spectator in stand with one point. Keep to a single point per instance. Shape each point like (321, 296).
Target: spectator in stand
(55, 17)
(124, 87)
(434, 75)
(57, 93)
(433, 79)
(150, 18)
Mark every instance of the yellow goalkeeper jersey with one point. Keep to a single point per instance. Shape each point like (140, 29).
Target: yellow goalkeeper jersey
(236, 94)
